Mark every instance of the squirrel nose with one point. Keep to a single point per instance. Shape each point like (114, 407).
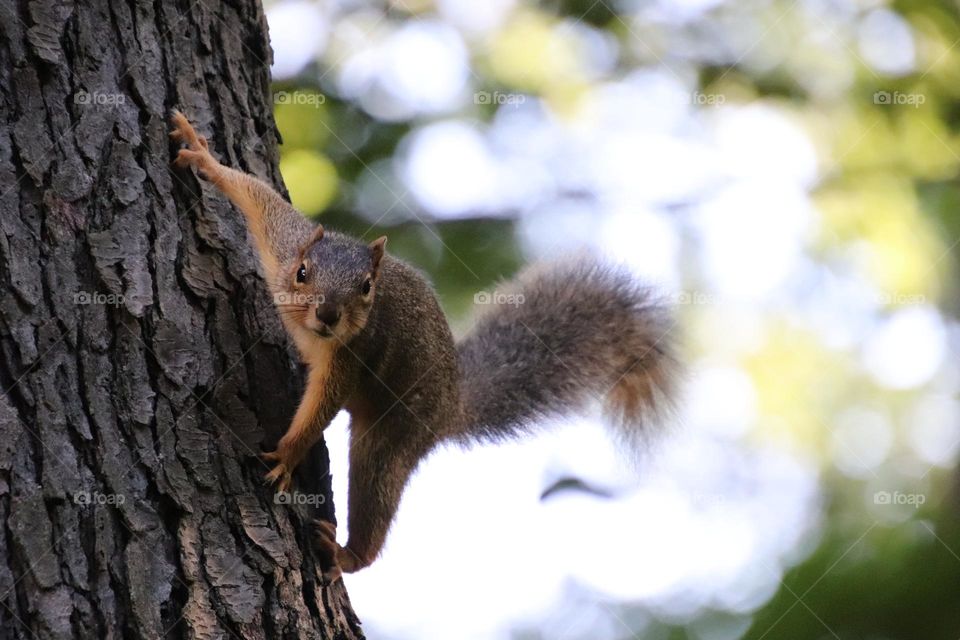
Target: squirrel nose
(328, 314)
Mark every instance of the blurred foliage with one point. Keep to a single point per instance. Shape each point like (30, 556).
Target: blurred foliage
(871, 582)
(887, 185)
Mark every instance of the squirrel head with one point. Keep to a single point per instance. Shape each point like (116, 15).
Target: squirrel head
(331, 284)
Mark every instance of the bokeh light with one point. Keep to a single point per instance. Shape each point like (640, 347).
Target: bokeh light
(785, 173)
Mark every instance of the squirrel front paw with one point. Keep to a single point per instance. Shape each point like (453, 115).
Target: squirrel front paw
(281, 474)
(197, 153)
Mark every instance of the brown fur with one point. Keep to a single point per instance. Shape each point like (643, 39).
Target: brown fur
(376, 342)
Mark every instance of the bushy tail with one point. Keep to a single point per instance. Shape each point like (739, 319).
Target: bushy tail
(559, 336)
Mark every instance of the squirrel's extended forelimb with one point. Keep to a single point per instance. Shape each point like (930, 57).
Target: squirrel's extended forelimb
(281, 235)
(277, 228)
(377, 344)
(320, 403)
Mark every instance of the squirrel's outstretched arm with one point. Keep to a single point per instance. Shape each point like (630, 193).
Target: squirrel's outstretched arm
(322, 399)
(277, 228)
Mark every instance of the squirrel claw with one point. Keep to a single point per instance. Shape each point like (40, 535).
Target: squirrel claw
(197, 153)
(279, 476)
(270, 456)
(325, 538)
(183, 130)
(186, 158)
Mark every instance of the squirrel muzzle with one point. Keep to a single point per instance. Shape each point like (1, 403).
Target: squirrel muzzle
(324, 318)
(328, 314)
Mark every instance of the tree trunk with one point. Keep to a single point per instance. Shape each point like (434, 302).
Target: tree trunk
(141, 361)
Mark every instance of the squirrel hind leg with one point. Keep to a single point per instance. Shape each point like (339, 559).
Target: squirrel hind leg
(384, 450)
(335, 559)
(325, 541)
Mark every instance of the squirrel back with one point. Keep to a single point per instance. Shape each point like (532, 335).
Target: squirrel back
(560, 335)
(406, 346)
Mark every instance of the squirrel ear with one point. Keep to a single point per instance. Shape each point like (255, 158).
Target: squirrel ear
(314, 238)
(377, 248)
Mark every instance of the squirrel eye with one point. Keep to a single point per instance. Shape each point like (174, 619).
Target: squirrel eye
(302, 273)
(366, 287)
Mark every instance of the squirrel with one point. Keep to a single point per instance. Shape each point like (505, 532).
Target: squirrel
(376, 343)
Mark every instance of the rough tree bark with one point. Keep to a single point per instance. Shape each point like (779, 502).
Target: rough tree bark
(141, 362)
